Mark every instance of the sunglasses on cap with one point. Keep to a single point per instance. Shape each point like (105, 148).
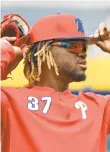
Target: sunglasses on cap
(74, 46)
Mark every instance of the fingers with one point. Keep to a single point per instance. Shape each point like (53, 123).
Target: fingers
(91, 41)
(101, 29)
(102, 32)
(18, 51)
(10, 39)
(107, 28)
(103, 46)
(24, 50)
(96, 35)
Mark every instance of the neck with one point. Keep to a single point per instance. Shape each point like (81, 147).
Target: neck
(51, 80)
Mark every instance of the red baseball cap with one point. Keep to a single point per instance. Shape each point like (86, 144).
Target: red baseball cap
(58, 27)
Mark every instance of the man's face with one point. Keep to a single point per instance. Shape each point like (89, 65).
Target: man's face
(70, 65)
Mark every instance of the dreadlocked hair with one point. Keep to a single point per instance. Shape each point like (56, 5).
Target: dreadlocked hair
(37, 54)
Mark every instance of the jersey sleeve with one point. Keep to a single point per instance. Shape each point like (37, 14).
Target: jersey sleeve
(7, 56)
(107, 113)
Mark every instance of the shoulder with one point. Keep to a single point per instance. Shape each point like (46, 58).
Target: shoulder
(9, 89)
(13, 91)
(98, 99)
(20, 91)
(16, 94)
(98, 96)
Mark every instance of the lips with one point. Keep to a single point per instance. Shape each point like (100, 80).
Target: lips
(82, 63)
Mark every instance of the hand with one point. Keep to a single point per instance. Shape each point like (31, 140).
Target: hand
(18, 52)
(103, 33)
(9, 39)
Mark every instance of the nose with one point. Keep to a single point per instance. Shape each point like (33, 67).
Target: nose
(82, 55)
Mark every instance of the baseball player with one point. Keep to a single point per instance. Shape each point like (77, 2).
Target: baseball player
(44, 116)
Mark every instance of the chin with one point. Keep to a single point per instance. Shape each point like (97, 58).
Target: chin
(77, 76)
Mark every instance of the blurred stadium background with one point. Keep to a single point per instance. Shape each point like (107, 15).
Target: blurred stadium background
(91, 13)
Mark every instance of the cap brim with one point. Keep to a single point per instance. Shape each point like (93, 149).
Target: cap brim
(76, 38)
